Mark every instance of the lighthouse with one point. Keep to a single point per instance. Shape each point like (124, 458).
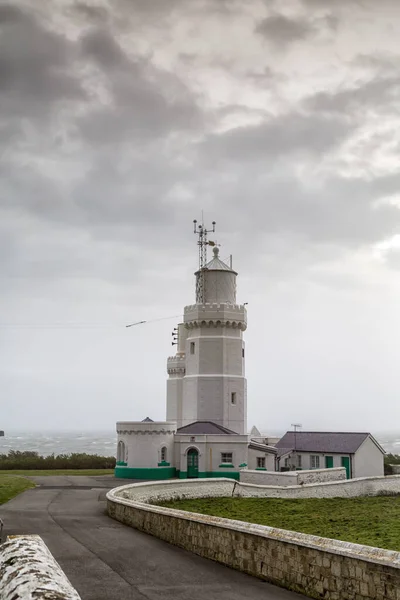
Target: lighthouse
(207, 375)
(205, 432)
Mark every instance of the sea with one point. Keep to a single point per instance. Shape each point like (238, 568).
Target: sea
(104, 443)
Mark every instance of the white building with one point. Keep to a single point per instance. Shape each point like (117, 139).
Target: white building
(359, 453)
(205, 434)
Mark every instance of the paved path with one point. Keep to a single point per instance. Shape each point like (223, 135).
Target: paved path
(106, 560)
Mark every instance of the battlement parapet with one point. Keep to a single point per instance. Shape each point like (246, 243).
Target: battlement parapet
(214, 315)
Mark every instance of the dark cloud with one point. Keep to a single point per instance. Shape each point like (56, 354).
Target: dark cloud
(145, 101)
(35, 65)
(281, 30)
(284, 135)
(380, 94)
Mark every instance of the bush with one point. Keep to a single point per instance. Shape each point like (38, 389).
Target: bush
(32, 460)
(390, 459)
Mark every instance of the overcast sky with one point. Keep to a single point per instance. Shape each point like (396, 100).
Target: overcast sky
(120, 122)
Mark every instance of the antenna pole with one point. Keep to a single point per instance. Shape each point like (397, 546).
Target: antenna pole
(202, 243)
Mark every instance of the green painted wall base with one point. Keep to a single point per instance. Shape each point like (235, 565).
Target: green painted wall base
(211, 474)
(157, 473)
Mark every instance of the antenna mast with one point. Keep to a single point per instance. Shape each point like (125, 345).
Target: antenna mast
(202, 243)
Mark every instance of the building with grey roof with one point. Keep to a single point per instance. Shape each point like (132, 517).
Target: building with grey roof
(358, 452)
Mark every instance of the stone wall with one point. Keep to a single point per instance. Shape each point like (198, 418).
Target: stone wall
(28, 570)
(292, 477)
(353, 488)
(315, 566)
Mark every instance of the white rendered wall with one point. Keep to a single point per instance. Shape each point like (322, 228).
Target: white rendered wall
(215, 366)
(210, 448)
(254, 454)
(144, 441)
(306, 460)
(368, 460)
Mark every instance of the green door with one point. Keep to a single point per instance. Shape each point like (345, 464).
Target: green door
(192, 463)
(345, 460)
(328, 462)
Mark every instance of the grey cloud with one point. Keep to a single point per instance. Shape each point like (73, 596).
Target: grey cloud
(380, 94)
(92, 12)
(282, 30)
(287, 134)
(35, 64)
(146, 102)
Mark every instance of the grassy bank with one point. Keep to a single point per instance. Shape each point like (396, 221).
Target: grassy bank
(41, 472)
(11, 486)
(371, 521)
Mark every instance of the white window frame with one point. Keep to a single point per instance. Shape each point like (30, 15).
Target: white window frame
(192, 348)
(163, 454)
(233, 398)
(261, 462)
(314, 461)
(225, 456)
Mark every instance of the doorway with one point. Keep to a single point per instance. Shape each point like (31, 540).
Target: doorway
(345, 461)
(192, 463)
(328, 462)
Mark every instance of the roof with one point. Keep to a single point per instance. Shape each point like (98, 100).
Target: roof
(283, 451)
(216, 264)
(254, 431)
(262, 447)
(205, 428)
(147, 420)
(321, 441)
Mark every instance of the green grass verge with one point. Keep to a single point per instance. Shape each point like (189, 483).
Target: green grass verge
(373, 521)
(41, 472)
(11, 486)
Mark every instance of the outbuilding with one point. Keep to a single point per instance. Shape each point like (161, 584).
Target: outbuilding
(359, 453)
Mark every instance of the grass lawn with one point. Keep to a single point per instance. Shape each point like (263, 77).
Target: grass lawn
(374, 521)
(38, 472)
(11, 486)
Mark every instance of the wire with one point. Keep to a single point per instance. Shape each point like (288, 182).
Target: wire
(78, 325)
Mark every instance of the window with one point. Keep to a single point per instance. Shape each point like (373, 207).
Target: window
(260, 462)
(233, 398)
(314, 462)
(286, 462)
(163, 454)
(192, 347)
(227, 457)
(242, 352)
(299, 461)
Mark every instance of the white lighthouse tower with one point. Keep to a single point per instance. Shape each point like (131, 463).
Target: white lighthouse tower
(207, 376)
(205, 434)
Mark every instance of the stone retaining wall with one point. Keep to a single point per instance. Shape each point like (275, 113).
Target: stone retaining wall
(292, 477)
(28, 570)
(315, 566)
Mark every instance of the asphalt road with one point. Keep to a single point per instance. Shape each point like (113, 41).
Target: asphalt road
(105, 560)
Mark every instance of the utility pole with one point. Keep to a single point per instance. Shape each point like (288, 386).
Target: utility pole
(295, 427)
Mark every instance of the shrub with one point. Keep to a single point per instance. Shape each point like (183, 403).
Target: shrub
(16, 459)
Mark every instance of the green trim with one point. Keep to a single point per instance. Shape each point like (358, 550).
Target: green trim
(261, 469)
(132, 473)
(211, 474)
(226, 466)
(163, 464)
(121, 463)
(242, 465)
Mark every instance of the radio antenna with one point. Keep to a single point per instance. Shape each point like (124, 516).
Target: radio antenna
(202, 243)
